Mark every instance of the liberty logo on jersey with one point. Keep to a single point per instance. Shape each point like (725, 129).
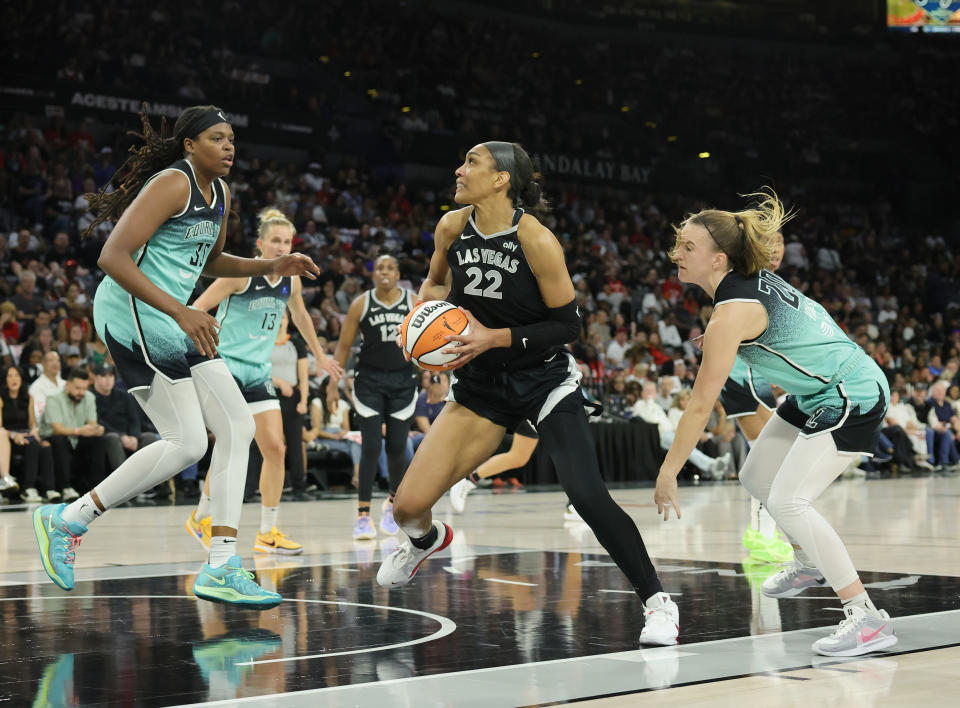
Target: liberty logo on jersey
(204, 228)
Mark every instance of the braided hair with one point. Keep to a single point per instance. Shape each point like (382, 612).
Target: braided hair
(155, 154)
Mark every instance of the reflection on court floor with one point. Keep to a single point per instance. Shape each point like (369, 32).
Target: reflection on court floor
(479, 626)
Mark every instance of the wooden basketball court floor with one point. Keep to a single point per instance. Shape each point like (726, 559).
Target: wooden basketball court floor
(523, 609)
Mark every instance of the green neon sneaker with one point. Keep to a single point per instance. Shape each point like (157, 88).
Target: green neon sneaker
(756, 572)
(772, 550)
(230, 654)
(58, 543)
(232, 585)
(751, 538)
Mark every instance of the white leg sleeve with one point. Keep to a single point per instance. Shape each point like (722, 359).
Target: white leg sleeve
(809, 468)
(175, 411)
(227, 415)
(765, 523)
(766, 455)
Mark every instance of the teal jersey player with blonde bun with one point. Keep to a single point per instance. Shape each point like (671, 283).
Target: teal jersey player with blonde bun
(250, 313)
(170, 206)
(837, 401)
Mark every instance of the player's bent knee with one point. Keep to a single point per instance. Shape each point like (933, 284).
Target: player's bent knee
(274, 450)
(193, 446)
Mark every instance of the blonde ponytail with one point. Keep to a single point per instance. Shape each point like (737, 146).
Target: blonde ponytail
(749, 238)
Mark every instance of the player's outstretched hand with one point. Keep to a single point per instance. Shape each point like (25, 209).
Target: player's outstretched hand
(296, 264)
(201, 328)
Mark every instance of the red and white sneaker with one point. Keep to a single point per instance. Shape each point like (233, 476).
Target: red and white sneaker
(400, 566)
(662, 625)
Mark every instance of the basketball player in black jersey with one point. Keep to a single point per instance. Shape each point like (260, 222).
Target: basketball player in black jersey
(507, 271)
(385, 387)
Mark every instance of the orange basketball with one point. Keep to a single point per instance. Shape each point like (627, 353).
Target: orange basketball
(424, 330)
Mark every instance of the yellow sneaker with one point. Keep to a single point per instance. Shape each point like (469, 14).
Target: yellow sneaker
(276, 542)
(200, 530)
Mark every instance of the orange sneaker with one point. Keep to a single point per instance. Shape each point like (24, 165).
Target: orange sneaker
(275, 542)
(200, 530)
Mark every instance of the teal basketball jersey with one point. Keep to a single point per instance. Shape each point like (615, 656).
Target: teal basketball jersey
(248, 327)
(173, 258)
(802, 350)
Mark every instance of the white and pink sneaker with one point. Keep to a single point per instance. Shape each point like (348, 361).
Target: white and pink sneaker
(400, 566)
(662, 625)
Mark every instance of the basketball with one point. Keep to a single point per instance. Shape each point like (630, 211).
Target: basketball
(424, 331)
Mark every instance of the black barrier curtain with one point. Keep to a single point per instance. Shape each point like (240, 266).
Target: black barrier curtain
(628, 452)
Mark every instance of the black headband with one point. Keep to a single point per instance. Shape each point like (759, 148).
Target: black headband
(704, 225)
(204, 120)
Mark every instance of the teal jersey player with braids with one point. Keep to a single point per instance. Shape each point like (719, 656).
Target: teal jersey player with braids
(836, 404)
(250, 312)
(170, 206)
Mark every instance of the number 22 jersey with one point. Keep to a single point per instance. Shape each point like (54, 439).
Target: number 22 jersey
(492, 279)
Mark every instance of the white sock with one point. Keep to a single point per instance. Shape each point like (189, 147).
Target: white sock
(765, 523)
(83, 511)
(863, 602)
(268, 517)
(203, 506)
(755, 513)
(222, 549)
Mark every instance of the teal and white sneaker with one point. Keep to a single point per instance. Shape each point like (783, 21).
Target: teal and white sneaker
(859, 633)
(58, 543)
(232, 585)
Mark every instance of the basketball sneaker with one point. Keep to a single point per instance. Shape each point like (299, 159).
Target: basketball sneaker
(400, 566)
(772, 550)
(756, 572)
(230, 655)
(387, 523)
(274, 541)
(792, 581)
(8, 484)
(662, 621)
(458, 494)
(232, 585)
(58, 541)
(860, 632)
(571, 514)
(364, 529)
(201, 530)
(32, 496)
(751, 539)
(70, 494)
